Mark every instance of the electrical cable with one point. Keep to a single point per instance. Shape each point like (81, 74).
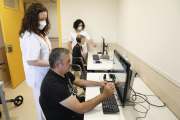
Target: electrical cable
(148, 101)
(136, 94)
(100, 77)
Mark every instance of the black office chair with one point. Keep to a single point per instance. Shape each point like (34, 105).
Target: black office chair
(78, 65)
(79, 61)
(42, 107)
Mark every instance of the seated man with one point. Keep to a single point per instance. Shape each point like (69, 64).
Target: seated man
(57, 96)
(78, 51)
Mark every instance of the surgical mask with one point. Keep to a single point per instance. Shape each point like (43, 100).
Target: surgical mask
(42, 24)
(79, 28)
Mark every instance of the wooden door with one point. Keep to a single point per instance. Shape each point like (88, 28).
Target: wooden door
(11, 23)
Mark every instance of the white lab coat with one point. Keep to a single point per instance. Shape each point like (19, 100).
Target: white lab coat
(72, 38)
(33, 47)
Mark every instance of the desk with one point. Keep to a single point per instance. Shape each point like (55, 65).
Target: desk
(4, 102)
(126, 113)
(105, 65)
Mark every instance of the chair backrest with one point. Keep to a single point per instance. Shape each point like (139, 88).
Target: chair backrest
(42, 108)
(78, 61)
(76, 67)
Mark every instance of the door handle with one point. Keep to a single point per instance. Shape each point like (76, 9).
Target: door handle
(8, 48)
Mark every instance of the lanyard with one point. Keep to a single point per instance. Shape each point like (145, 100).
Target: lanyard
(45, 41)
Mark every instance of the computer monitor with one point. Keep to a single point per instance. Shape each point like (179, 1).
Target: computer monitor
(124, 78)
(103, 46)
(107, 50)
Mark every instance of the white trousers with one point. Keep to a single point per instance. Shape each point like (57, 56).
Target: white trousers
(36, 92)
(84, 55)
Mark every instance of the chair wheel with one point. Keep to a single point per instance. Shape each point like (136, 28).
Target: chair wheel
(18, 100)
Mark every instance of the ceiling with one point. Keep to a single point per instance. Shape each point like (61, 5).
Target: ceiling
(40, 1)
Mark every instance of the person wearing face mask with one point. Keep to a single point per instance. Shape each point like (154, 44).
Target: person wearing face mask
(35, 48)
(79, 29)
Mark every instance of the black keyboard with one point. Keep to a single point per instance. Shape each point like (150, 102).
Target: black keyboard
(109, 105)
(95, 57)
(83, 75)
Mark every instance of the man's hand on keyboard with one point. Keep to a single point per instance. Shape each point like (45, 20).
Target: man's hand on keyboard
(109, 89)
(103, 83)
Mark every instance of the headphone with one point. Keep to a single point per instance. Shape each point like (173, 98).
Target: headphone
(79, 39)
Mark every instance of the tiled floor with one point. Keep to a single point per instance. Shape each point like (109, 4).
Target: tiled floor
(27, 110)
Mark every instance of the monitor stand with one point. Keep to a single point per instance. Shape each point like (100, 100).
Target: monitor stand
(128, 103)
(104, 57)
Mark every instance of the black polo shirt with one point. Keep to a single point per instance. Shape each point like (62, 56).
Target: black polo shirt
(55, 89)
(77, 51)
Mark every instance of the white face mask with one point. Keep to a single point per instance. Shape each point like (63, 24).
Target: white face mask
(42, 24)
(79, 28)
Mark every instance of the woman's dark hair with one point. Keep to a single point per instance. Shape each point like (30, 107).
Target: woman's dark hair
(30, 20)
(77, 22)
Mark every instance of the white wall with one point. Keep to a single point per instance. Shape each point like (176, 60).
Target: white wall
(99, 16)
(150, 30)
(52, 14)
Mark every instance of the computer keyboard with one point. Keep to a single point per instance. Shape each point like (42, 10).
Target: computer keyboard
(109, 105)
(95, 57)
(83, 75)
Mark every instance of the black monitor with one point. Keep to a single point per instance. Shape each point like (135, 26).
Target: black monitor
(122, 71)
(107, 50)
(103, 46)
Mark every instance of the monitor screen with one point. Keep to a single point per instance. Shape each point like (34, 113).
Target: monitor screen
(121, 69)
(103, 46)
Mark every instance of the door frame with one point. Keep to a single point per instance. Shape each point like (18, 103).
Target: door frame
(59, 22)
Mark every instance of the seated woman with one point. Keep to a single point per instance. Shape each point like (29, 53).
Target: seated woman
(77, 50)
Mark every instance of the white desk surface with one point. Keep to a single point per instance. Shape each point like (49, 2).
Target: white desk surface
(105, 65)
(127, 113)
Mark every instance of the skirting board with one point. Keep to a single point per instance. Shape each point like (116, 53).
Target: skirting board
(166, 75)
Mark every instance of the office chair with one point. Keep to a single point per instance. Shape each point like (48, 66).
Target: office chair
(78, 65)
(79, 61)
(42, 108)
(83, 75)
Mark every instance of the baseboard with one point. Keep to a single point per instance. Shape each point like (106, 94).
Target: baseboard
(4, 85)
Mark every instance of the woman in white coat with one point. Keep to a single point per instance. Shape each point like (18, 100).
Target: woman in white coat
(35, 47)
(79, 29)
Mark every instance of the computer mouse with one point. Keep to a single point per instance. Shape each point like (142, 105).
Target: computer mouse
(97, 61)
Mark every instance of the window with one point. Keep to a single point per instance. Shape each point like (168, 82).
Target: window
(12, 4)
